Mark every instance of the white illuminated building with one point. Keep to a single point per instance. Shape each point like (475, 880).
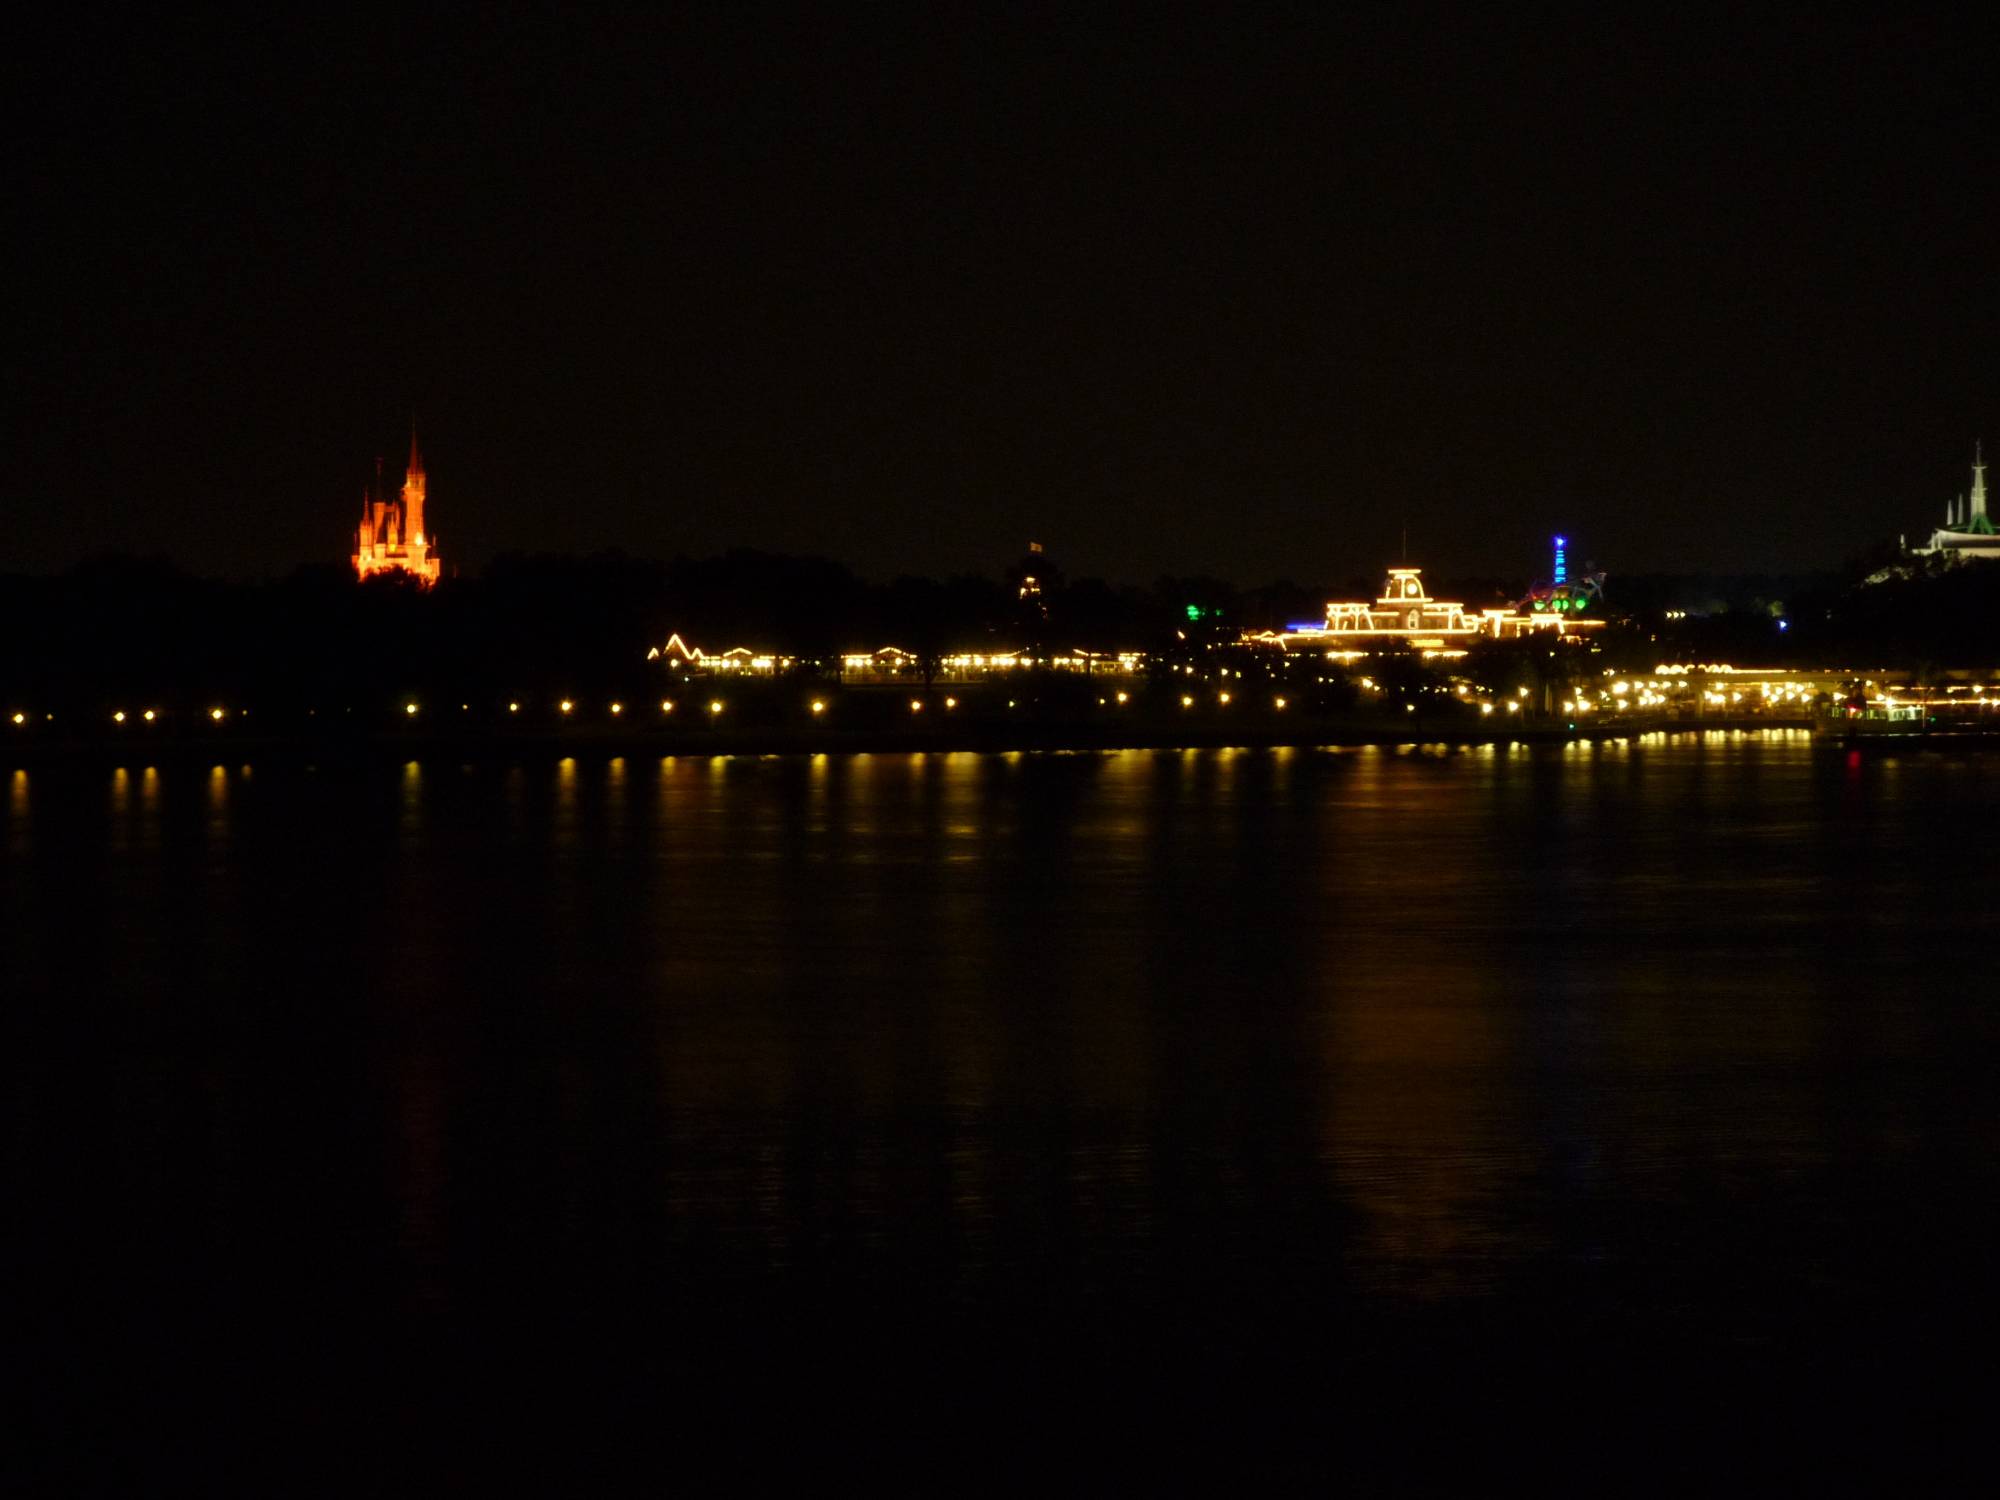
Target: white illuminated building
(1967, 533)
(1405, 611)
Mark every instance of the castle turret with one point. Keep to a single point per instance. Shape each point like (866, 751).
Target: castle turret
(1978, 486)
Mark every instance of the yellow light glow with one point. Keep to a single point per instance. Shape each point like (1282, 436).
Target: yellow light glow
(819, 705)
(1486, 708)
(1280, 702)
(618, 708)
(20, 718)
(565, 706)
(409, 708)
(1222, 697)
(1122, 697)
(1186, 701)
(215, 714)
(149, 716)
(513, 708)
(715, 705)
(118, 717)
(666, 705)
(916, 705)
(951, 703)
(1514, 707)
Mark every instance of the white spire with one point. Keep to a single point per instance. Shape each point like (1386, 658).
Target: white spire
(1978, 482)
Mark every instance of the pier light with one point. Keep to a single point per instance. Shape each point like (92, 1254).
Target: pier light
(1186, 701)
(951, 703)
(216, 714)
(1124, 697)
(149, 716)
(20, 719)
(666, 705)
(916, 705)
(714, 706)
(513, 708)
(1222, 697)
(1409, 708)
(565, 706)
(1486, 708)
(410, 710)
(819, 705)
(618, 708)
(118, 717)
(1278, 702)
(1010, 702)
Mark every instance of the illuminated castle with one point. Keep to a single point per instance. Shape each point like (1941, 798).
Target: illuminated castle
(391, 536)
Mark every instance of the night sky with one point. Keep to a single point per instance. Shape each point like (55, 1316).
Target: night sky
(1168, 291)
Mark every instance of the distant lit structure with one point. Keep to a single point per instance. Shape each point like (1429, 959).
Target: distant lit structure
(678, 654)
(893, 663)
(1031, 581)
(391, 537)
(1405, 613)
(1563, 595)
(1967, 533)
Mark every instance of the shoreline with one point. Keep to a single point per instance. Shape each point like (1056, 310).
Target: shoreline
(983, 739)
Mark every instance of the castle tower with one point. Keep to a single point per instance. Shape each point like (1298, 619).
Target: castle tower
(1978, 488)
(413, 493)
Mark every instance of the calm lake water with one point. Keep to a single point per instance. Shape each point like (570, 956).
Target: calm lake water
(1627, 1110)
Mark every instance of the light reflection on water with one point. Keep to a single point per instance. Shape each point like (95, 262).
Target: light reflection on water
(1648, 1032)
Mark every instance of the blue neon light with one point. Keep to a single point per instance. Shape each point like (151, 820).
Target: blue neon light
(1308, 625)
(1562, 564)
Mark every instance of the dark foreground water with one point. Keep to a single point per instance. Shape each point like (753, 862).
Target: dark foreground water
(1619, 1114)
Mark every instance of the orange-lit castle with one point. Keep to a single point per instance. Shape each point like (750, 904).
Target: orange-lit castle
(391, 536)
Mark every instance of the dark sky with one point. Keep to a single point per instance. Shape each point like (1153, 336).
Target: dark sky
(1237, 291)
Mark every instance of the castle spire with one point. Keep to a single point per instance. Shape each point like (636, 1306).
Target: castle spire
(416, 458)
(1978, 482)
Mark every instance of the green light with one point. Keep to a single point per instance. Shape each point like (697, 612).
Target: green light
(1194, 611)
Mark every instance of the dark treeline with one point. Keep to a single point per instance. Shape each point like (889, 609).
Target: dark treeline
(1925, 614)
(121, 628)
(125, 628)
